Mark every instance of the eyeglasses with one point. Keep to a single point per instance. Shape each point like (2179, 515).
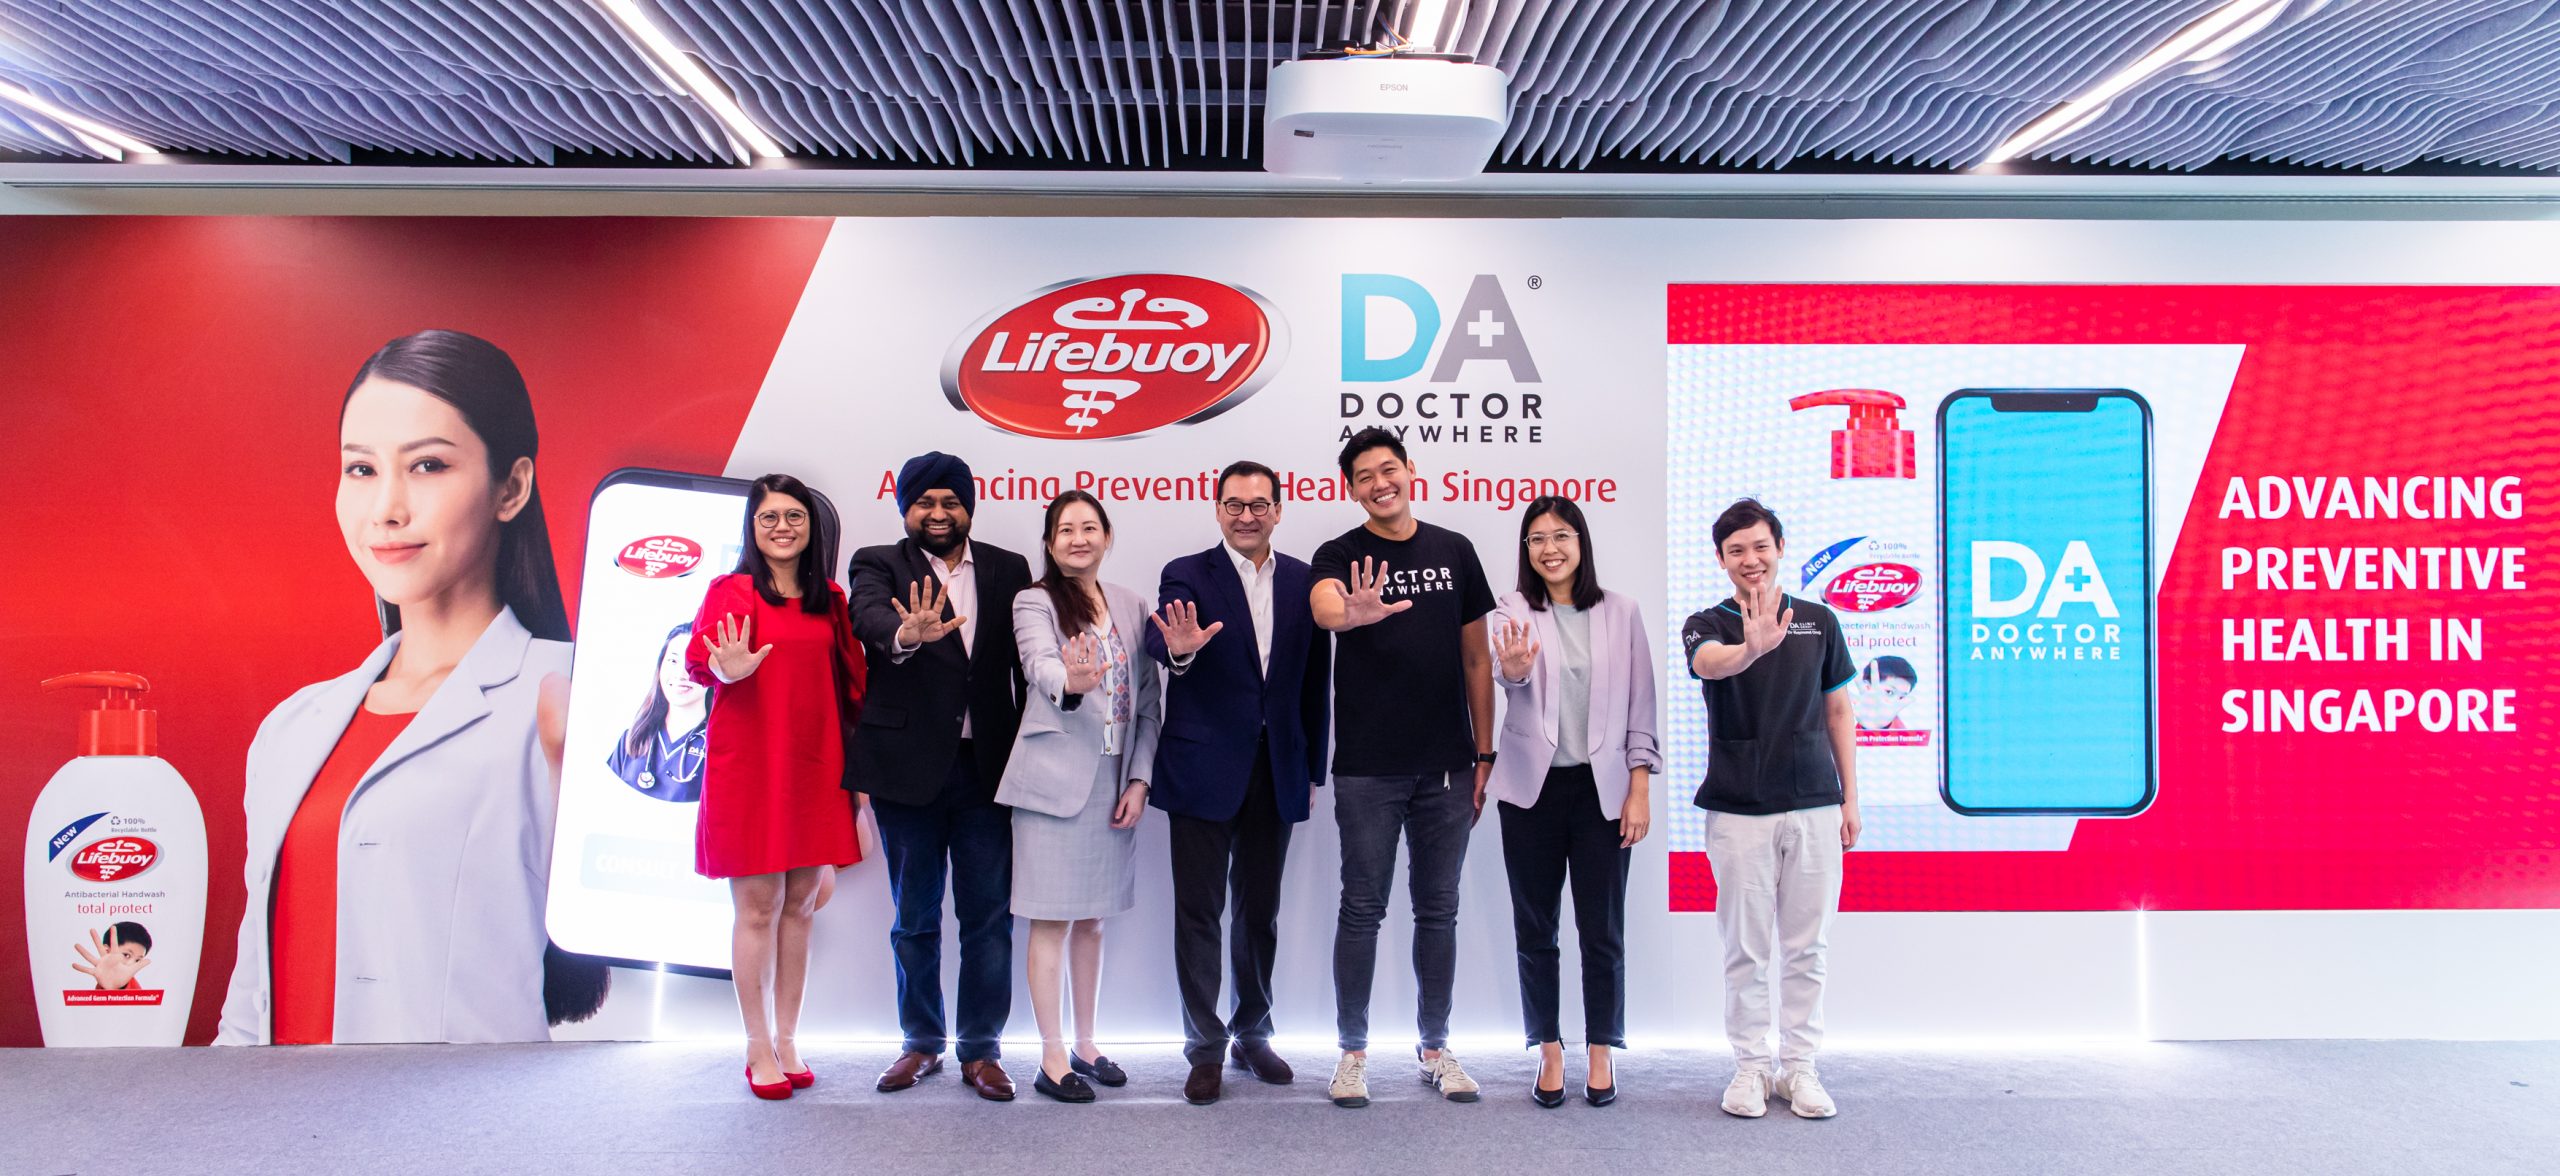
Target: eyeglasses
(769, 520)
(1543, 540)
(1259, 508)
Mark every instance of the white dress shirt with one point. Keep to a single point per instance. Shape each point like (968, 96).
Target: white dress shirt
(1257, 600)
(960, 588)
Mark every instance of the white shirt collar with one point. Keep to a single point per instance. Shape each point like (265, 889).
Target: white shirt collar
(968, 558)
(1244, 565)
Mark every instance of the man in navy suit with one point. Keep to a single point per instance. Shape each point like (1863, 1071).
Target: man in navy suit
(1244, 739)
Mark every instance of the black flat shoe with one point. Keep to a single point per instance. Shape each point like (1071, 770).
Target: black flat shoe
(1550, 1099)
(1070, 1089)
(1598, 1096)
(1101, 1069)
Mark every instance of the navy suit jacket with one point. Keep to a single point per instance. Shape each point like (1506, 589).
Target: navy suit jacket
(1215, 708)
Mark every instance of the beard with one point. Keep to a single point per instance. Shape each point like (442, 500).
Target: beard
(944, 546)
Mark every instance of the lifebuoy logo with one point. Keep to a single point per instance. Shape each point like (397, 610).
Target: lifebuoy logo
(660, 557)
(1873, 587)
(1115, 356)
(113, 859)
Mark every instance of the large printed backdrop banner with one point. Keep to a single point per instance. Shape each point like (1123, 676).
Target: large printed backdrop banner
(2289, 664)
(2348, 499)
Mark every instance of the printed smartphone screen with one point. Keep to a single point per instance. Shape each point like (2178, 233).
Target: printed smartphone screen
(2046, 617)
(622, 880)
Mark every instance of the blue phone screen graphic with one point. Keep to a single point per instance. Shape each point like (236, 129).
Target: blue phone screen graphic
(2048, 681)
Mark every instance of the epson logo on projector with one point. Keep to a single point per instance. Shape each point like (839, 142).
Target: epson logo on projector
(1115, 356)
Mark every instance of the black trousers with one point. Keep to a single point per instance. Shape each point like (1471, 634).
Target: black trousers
(1242, 856)
(1565, 833)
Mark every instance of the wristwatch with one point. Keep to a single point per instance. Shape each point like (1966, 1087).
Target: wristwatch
(1484, 757)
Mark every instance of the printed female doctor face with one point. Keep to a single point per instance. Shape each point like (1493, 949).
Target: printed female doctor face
(418, 504)
(681, 690)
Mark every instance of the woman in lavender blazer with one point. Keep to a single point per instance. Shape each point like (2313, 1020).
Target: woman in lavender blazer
(1572, 770)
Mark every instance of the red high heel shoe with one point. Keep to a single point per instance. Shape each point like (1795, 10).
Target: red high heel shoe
(802, 1080)
(778, 1090)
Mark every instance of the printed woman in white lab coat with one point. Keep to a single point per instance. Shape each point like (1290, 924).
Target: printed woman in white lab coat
(400, 815)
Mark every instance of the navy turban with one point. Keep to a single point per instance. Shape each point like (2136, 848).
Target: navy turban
(936, 471)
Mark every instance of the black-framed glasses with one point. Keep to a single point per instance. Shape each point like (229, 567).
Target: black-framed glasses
(1259, 508)
(769, 520)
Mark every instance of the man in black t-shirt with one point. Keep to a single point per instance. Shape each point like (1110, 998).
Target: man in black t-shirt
(1413, 744)
(1782, 783)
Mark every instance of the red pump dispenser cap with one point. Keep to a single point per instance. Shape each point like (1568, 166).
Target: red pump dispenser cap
(117, 725)
(1874, 445)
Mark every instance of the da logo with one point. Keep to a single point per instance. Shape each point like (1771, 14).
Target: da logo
(113, 859)
(660, 557)
(1115, 356)
(1999, 564)
(1873, 587)
(1484, 329)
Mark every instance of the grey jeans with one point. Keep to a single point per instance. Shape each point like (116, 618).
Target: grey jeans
(1433, 814)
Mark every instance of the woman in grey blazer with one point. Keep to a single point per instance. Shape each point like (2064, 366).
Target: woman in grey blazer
(1572, 768)
(1076, 778)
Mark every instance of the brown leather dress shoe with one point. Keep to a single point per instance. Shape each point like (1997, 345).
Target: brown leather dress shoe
(1201, 1088)
(910, 1068)
(1258, 1057)
(988, 1079)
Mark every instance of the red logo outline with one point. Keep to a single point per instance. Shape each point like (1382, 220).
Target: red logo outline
(1873, 587)
(999, 372)
(660, 557)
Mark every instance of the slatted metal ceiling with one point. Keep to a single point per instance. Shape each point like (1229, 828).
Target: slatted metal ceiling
(2373, 84)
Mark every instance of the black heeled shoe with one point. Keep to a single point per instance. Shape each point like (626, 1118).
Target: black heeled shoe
(1101, 1069)
(1550, 1099)
(1598, 1096)
(1070, 1089)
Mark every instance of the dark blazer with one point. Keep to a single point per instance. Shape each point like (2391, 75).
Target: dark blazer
(911, 718)
(1214, 708)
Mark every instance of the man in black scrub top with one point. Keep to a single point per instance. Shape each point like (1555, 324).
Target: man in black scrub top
(1782, 786)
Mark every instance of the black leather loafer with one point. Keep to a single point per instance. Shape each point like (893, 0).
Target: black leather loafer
(1070, 1089)
(1101, 1069)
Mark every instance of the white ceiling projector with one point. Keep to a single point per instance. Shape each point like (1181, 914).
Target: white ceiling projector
(1382, 119)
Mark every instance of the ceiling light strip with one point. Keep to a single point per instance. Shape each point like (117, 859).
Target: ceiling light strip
(689, 74)
(97, 136)
(2210, 31)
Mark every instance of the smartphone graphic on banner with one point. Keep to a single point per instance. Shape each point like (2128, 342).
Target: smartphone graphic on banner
(2046, 617)
(622, 880)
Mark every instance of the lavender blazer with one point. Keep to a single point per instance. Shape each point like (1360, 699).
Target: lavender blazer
(1622, 703)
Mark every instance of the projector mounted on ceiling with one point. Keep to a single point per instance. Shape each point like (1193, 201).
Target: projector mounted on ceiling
(1382, 117)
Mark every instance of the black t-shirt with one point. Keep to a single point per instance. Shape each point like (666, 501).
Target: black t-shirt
(1768, 731)
(1400, 685)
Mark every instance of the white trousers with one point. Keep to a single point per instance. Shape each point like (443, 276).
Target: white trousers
(1777, 886)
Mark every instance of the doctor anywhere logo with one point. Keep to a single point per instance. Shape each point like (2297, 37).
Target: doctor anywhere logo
(2010, 580)
(1481, 340)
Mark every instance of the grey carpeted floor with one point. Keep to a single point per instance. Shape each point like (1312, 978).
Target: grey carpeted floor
(2262, 1108)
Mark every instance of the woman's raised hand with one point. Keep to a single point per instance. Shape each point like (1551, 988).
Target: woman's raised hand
(731, 657)
(1083, 656)
(1518, 650)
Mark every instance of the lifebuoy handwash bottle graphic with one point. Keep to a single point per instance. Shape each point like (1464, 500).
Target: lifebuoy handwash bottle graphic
(1873, 444)
(115, 880)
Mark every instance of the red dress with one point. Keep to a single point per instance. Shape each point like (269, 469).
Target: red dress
(773, 795)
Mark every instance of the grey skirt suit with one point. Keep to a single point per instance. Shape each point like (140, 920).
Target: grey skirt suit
(1069, 764)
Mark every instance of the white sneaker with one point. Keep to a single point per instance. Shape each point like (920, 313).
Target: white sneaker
(1444, 1075)
(1748, 1094)
(1351, 1081)
(1802, 1088)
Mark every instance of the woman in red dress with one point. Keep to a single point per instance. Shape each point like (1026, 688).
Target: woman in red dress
(776, 646)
